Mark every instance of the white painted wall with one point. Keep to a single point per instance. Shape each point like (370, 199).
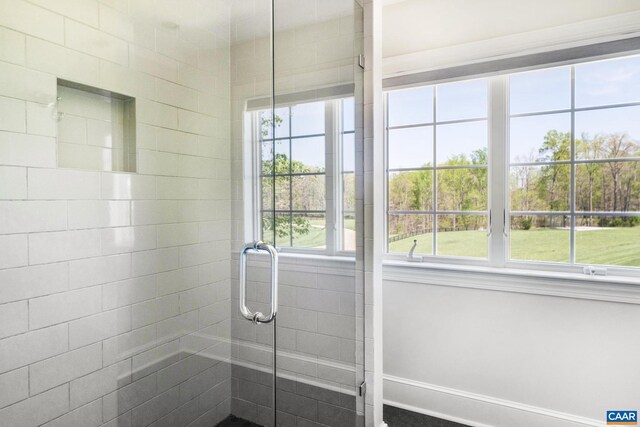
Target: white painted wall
(556, 354)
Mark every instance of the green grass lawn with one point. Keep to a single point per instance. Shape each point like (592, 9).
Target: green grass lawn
(316, 237)
(611, 246)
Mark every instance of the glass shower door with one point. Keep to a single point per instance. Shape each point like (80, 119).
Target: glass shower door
(298, 146)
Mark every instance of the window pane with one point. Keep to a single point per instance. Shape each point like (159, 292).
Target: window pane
(282, 157)
(265, 124)
(349, 232)
(309, 231)
(348, 114)
(540, 238)
(540, 138)
(410, 106)
(348, 153)
(609, 133)
(282, 230)
(411, 147)
(404, 229)
(281, 122)
(462, 143)
(614, 81)
(411, 191)
(308, 193)
(544, 90)
(608, 187)
(462, 235)
(307, 119)
(463, 189)
(349, 192)
(283, 193)
(266, 156)
(540, 188)
(308, 154)
(268, 235)
(462, 100)
(266, 191)
(608, 240)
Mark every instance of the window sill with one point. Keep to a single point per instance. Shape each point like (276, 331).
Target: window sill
(568, 285)
(289, 259)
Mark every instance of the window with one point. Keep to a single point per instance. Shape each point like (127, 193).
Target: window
(306, 155)
(438, 170)
(574, 173)
(570, 140)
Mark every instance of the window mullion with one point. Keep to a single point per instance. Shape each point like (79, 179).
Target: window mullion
(498, 170)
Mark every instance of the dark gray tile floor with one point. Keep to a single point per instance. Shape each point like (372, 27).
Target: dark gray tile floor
(396, 417)
(233, 421)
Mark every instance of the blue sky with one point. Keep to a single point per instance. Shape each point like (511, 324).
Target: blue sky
(599, 83)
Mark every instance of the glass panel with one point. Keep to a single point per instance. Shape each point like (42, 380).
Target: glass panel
(267, 224)
(462, 235)
(307, 119)
(540, 138)
(404, 229)
(410, 106)
(607, 134)
(309, 231)
(536, 91)
(348, 114)
(462, 100)
(540, 188)
(282, 157)
(464, 189)
(349, 192)
(308, 192)
(266, 130)
(266, 191)
(349, 232)
(308, 154)
(283, 229)
(411, 190)
(462, 143)
(266, 157)
(614, 81)
(311, 57)
(411, 147)
(283, 192)
(608, 187)
(282, 116)
(608, 240)
(348, 152)
(540, 238)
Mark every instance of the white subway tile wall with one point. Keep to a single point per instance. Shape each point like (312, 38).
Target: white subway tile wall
(114, 287)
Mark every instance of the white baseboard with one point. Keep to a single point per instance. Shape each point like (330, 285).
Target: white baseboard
(473, 409)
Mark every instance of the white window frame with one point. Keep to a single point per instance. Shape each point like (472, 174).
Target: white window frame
(333, 180)
(498, 181)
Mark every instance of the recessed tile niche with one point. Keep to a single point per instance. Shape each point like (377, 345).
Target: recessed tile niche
(96, 129)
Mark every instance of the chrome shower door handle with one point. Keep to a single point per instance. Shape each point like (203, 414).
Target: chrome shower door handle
(257, 247)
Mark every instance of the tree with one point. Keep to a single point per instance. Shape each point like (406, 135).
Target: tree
(615, 146)
(555, 179)
(278, 193)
